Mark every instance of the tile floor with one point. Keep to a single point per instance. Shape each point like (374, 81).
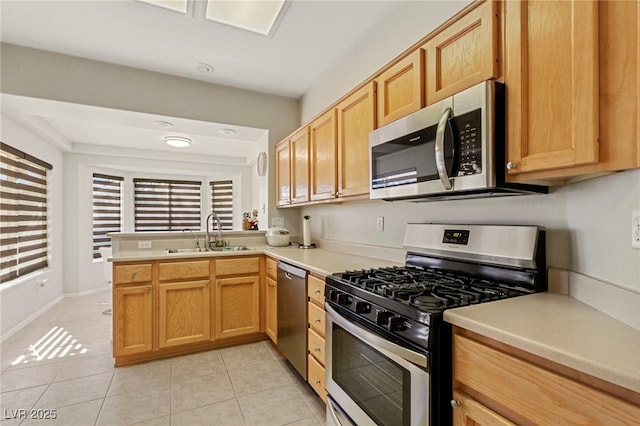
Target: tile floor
(62, 361)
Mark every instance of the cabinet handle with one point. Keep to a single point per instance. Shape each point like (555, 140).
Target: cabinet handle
(455, 403)
(339, 193)
(148, 290)
(511, 166)
(317, 382)
(317, 349)
(133, 276)
(316, 291)
(317, 320)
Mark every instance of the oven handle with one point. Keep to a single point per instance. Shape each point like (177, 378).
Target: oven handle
(440, 163)
(373, 339)
(338, 417)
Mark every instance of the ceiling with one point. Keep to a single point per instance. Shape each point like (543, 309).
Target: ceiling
(140, 35)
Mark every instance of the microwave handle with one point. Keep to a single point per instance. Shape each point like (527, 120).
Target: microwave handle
(440, 163)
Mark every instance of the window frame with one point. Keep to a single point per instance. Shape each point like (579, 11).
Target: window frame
(106, 217)
(177, 204)
(25, 205)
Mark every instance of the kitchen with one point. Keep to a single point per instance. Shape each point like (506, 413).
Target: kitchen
(573, 214)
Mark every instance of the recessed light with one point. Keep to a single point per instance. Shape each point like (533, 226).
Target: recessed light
(163, 124)
(177, 141)
(204, 68)
(228, 132)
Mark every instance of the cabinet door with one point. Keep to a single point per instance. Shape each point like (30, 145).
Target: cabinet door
(283, 174)
(184, 313)
(356, 119)
(323, 156)
(237, 302)
(272, 310)
(463, 54)
(468, 412)
(551, 73)
(401, 88)
(299, 146)
(132, 320)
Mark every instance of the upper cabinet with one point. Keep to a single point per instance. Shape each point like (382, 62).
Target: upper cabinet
(356, 119)
(551, 73)
(299, 147)
(401, 88)
(283, 173)
(463, 54)
(323, 156)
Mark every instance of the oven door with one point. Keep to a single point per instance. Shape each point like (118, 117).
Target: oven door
(370, 380)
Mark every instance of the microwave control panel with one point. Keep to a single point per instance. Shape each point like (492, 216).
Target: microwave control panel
(469, 130)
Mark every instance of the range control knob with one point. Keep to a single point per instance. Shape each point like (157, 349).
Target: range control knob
(363, 307)
(344, 299)
(382, 317)
(396, 324)
(333, 295)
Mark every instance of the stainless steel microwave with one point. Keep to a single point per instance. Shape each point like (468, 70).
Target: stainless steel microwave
(454, 148)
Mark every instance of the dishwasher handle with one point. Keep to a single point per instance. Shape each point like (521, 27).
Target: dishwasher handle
(291, 271)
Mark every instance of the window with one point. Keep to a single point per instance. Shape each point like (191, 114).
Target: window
(166, 205)
(107, 209)
(23, 205)
(222, 202)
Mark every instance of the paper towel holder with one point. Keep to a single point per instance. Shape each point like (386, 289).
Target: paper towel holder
(306, 234)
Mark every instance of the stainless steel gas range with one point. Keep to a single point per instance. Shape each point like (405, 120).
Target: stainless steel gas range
(388, 349)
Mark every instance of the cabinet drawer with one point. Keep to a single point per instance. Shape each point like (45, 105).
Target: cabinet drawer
(237, 266)
(315, 290)
(537, 395)
(272, 268)
(183, 270)
(316, 319)
(315, 344)
(138, 273)
(316, 377)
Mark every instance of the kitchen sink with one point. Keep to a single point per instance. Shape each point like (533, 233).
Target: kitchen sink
(233, 248)
(202, 250)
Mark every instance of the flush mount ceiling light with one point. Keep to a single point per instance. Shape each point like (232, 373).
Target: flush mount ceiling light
(227, 132)
(258, 16)
(177, 141)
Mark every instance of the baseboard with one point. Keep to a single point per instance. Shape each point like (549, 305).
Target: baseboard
(30, 318)
(87, 292)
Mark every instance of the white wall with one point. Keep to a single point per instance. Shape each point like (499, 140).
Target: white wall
(20, 300)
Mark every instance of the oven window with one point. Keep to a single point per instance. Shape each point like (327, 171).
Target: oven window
(378, 385)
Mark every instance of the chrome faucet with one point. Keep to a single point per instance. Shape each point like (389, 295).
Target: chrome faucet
(218, 240)
(194, 236)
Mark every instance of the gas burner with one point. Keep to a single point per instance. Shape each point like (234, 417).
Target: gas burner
(427, 302)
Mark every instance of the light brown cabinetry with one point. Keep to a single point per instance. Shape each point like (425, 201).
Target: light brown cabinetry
(551, 72)
(271, 301)
(299, 146)
(496, 384)
(356, 119)
(463, 54)
(167, 307)
(315, 336)
(237, 297)
(283, 174)
(132, 319)
(323, 156)
(183, 302)
(401, 88)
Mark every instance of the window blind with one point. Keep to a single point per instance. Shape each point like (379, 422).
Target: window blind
(107, 209)
(23, 213)
(166, 205)
(222, 202)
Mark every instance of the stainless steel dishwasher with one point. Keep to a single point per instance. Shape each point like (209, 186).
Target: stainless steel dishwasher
(292, 315)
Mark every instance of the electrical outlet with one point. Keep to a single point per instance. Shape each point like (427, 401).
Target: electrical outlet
(380, 223)
(144, 244)
(635, 229)
(277, 222)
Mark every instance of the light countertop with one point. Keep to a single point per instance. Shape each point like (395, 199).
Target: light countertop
(561, 329)
(318, 261)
